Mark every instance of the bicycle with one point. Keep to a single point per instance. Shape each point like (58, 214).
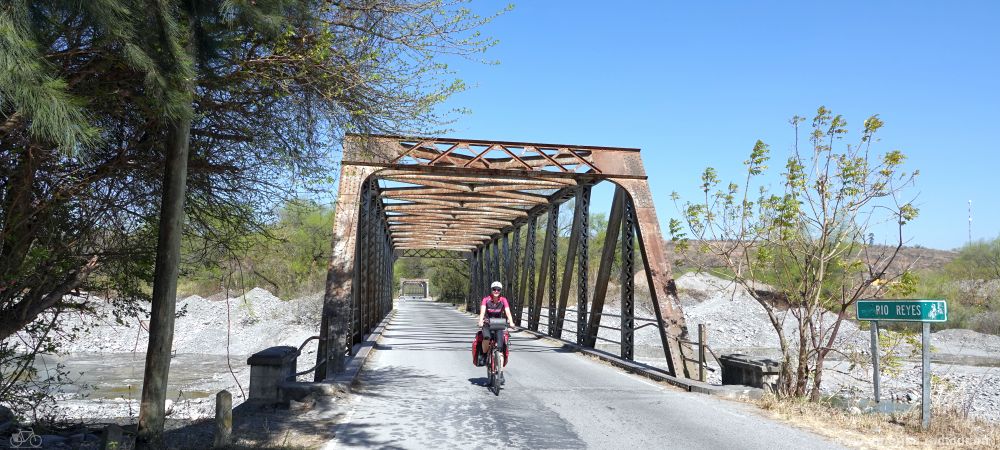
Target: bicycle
(25, 437)
(494, 363)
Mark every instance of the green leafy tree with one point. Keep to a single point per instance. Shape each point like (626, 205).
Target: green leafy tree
(810, 240)
(126, 119)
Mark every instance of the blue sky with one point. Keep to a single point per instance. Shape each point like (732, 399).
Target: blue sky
(695, 84)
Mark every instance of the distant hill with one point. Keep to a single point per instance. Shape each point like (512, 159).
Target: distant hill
(918, 258)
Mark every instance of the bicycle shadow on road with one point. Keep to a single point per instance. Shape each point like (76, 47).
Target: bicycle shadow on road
(480, 381)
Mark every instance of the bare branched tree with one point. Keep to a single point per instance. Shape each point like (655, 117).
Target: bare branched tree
(810, 242)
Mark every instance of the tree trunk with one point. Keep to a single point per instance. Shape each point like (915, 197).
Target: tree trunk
(16, 235)
(817, 376)
(161, 320)
(802, 373)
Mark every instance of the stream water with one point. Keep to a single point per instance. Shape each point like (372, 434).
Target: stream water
(119, 375)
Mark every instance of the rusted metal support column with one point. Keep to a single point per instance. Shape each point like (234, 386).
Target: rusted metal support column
(505, 267)
(553, 251)
(380, 299)
(513, 266)
(583, 263)
(339, 287)
(495, 269)
(484, 268)
(627, 282)
(369, 269)
(480, 278)
(571, 252)
(390, 270)
(473, 281)
(604, 270)
(550, 231)
(481, 266)
(528, 272)
(356, 280)
(376, 307)
(387, 293)
(357, 299)
(661, 284)
(487, 265)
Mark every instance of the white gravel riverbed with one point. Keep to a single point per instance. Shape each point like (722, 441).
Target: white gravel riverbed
(967, 371)
(106, 359)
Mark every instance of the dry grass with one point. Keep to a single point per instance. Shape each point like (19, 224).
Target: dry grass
(949, 428)
(310, 425)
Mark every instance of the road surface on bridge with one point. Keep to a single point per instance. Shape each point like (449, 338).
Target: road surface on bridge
(419, 389)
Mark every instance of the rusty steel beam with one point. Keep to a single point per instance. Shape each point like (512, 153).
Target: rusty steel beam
(432, 254)
(550, 230)
(662, 289)
(495, 262)
(449, 247)
(552, 250)
(583, 263)
(571, 251)
(407, 174)
(473, 282)
(493, 173)
(420, 203)
(513, 270)
(424, 237)
(604, 269)
(627, 280)
(461, 229)
(518, 186)
(506, 267)
(527, 284)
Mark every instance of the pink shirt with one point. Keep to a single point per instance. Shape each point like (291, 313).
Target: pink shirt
(497, 308)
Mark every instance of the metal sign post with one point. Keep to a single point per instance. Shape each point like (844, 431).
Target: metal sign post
(876, 373)
(924, 311)
(925, 396)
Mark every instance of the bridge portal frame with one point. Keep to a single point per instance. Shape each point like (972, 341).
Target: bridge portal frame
(464, 199)
(424, 283)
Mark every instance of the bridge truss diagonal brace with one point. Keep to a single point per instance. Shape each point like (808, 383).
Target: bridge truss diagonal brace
(337, 301)
(662, 289)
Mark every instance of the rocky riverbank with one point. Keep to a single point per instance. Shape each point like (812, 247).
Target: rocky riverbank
(966, 364)
(212, 340)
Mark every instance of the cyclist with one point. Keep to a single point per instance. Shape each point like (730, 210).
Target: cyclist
(494, 306)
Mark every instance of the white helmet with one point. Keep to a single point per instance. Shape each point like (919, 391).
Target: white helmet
(496, 284)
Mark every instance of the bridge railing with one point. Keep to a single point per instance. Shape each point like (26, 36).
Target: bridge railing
(702, 344)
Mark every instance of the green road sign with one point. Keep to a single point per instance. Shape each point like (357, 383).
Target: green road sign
(903, 310)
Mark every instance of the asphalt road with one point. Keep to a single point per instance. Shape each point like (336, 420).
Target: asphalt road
(419, 389)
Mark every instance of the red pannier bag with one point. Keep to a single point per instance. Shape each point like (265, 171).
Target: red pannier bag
(477, 348)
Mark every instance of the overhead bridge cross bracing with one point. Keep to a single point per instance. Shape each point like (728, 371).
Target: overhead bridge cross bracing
(483, 201)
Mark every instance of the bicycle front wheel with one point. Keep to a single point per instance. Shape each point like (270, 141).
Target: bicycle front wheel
(495, 363)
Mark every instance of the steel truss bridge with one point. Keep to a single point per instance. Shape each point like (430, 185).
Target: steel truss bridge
(475, 200)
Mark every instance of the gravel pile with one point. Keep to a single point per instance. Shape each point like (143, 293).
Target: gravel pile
(250, 323)
(253, 322)
(734, 320)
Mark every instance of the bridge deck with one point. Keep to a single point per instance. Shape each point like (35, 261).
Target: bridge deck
(419, 389)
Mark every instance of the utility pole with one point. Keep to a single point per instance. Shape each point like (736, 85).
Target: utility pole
(970, 221)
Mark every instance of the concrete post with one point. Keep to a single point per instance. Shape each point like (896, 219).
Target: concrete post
(223, 419)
